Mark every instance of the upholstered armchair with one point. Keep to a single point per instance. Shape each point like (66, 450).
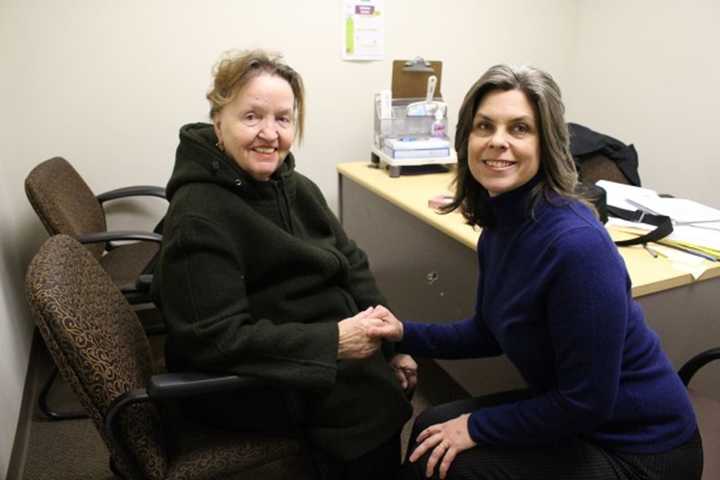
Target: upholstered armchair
(66, 204)
(102, 351)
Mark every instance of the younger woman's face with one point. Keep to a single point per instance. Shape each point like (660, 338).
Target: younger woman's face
(504, 143)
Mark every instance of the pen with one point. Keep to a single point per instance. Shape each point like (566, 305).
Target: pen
(660, 253)
(654, 253)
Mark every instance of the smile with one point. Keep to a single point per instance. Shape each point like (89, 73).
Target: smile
(264, 149)
(498, 164)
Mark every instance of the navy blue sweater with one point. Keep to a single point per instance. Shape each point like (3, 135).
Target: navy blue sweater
(554, 296)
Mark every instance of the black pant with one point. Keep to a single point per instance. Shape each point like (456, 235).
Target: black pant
(261, 412)
(572, 459)
(381, 463)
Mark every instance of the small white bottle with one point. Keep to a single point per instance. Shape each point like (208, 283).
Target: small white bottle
(438, 126)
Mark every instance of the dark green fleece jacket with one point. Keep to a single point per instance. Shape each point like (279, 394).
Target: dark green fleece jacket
(253, 278)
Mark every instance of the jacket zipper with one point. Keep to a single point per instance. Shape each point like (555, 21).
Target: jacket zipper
(283, 204)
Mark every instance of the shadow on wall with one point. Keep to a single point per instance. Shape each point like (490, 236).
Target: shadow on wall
(17, 250)
(17, 246)
(141, 213)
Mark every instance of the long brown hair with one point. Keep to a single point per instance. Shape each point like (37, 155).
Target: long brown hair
(556, 163)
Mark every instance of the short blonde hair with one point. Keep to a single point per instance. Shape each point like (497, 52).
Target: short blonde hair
(236, 68)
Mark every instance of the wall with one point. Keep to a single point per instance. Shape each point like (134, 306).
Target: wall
(646, 72)
(15, 329)
(107, 84)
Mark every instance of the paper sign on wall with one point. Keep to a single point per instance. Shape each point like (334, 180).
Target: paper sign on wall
(363, 29)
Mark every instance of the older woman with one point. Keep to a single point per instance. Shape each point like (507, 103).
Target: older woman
(554, 296)
(256, 276)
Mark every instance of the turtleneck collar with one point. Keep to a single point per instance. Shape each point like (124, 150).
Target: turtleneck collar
(514, 207)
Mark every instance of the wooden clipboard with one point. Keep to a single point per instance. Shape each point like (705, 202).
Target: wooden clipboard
(407, 83)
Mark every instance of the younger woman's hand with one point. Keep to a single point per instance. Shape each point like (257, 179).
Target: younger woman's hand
(444, 441)
(391, 329)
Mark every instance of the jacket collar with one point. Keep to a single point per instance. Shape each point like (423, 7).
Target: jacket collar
(199, 160)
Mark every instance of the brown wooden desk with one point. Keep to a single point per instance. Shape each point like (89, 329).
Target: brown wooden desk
(425, 264)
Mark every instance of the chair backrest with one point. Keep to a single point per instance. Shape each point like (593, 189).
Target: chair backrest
(64, 202)
(98, 344)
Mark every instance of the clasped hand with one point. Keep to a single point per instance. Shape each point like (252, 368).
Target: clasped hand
(362, 335)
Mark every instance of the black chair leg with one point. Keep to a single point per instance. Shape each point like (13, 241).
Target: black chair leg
(43, 404)
(115, 471)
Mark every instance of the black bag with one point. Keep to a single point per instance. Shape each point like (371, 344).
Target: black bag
(586, 145)
(663, 225)
(598, 197)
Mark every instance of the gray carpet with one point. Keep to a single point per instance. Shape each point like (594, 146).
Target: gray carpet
(67, 450)
(70, 450)
(73, 450)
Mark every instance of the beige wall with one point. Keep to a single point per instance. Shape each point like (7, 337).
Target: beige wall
(107, 84)
(646, 71)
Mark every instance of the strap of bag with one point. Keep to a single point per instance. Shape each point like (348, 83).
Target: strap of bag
(663, 224)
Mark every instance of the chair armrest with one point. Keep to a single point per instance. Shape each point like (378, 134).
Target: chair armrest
(98, 237)
(144, 282)
(186, 384)
(175, 385)
(136, 191)
(691, 367)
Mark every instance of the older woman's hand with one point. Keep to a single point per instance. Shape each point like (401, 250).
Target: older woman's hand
(405, 369)
(446, 440)
(354, 338)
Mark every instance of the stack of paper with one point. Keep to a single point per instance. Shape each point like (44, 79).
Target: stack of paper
(696, 227)
(412, 147)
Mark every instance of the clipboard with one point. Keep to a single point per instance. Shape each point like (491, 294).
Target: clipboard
(409, 78)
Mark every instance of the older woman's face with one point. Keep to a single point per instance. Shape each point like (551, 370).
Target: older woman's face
(504, 143)
(257, 128)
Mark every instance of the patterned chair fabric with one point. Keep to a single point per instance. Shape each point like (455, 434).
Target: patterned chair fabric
(102, 352)
(66, 204)
(97, 342)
